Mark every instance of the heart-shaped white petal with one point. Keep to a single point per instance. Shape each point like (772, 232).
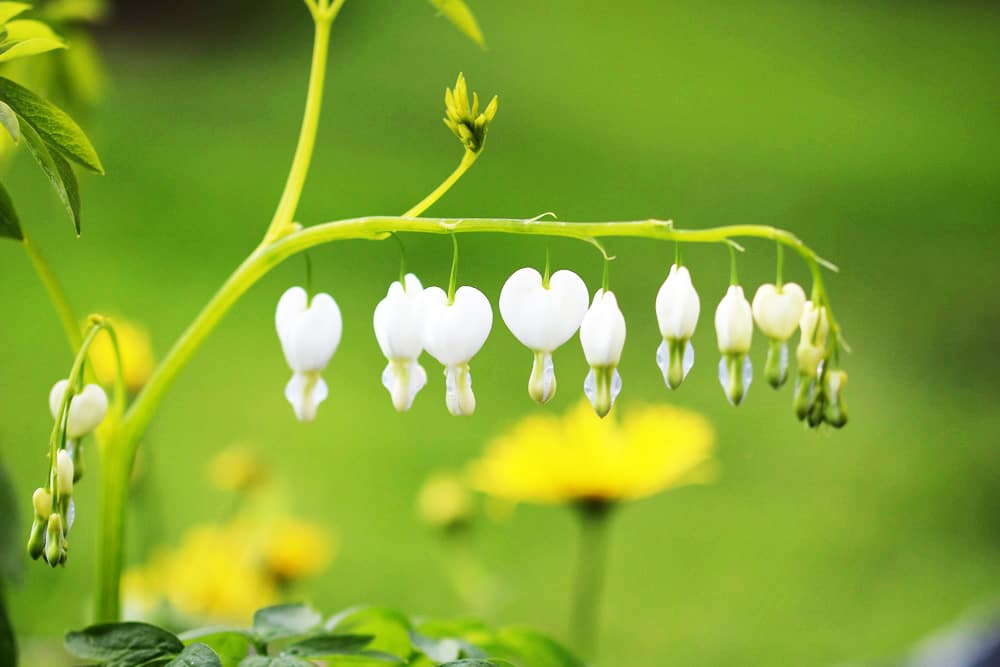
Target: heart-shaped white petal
(399, 320)
(677, 305)
(305, 391)
(543, 318)
(778, 311)
(602, 332)
(734, 322)
(309, 332)
(86, 409)
(454, 333)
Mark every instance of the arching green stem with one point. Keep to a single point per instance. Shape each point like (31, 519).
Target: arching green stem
(468, 159)
(68, 320)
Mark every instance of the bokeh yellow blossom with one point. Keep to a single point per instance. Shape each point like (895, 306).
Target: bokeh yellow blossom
(237, 468)
(444, 501)
(222, 573)
(136, 351)
(580, 458)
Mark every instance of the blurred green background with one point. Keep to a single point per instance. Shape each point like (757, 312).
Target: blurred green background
(869, 128)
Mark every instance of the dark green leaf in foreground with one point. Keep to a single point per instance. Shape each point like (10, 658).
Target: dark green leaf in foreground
(52, 123)
(123, 643)
(230, 645)
(458, 12)
(285, 620)
(10, 226)
(196, 655)
(278, 661)
(476, 662)
(322, 646)
(10, 123)
(390, 628)
(58, 171)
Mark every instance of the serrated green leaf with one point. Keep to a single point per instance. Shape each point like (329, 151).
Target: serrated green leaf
(9, 10)
(58, 171)
(322, 646)
(458, 12)
(285, 620)
(196, 655)
(230, 645)
(52, 123)
(10, 123)
(26, 37)
(123, 643)
(10, 225)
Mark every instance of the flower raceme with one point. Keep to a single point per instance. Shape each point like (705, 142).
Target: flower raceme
(677, 310)
(602, 335)
(309, 332)
(543, 313)
(454, 331)
(399, 328)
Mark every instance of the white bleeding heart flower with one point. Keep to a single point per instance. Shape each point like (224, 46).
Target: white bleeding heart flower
(777, 309)
(602, 335)
(677, 310)
(543, 317)
(453, 333)
(734, 332)
(309, 332)
(86, 409)
(399, 330)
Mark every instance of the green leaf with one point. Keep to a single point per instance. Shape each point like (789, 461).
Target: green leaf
(458, 12)
(476, 662)
(9, 10)
(121, 644)
(279, 661)
(285, 620)
(9, 120)
(230, 645)
(28, 38)
(11, 547)
(52, 123)
(10, 226)
(322, 646)
(196, 655)
(528, 647)
(58, 171)
(8, 645)
(75, 11)
(390, 628)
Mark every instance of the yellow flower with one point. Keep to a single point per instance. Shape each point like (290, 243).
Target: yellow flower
(136, 352)
(444, 501)
(581, 458)
(294, 548)
(237, 468)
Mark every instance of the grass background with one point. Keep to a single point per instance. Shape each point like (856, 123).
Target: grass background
(870, 129)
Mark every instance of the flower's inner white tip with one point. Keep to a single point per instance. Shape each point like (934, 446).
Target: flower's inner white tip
(305, 391)
(458, 390)
(403, 378)
(736, 388)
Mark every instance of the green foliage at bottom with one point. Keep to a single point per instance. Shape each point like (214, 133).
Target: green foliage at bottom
(295, 635)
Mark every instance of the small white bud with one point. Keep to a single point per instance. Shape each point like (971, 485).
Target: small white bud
(64, 473)
(677, 305)
(734, 322)
(41, 501)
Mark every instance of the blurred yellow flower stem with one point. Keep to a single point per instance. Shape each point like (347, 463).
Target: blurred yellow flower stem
(594, 520)
(284, 238)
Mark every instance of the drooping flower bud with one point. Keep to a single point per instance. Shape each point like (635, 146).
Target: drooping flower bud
(41, 502)
(543, 317)
(734, 332)
(309, 333)
(399, 321)
(814, 328)
(86, 409)
(64, 474)
(836, 409)
(453, 334)
(602, 334)
(677, 310)
(777, 309)
(55, 541)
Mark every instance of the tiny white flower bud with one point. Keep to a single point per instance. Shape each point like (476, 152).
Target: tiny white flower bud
(602, 335)
(778, 310)
(734, 322)
(41, 501)
(86, 410)
(543, 318)
(64, 473)
(453, 334)
(399, 322)
(309, 333)
(814, 327)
